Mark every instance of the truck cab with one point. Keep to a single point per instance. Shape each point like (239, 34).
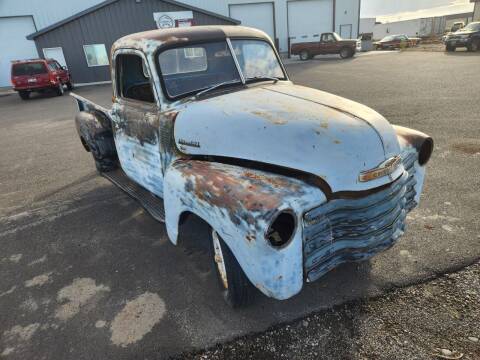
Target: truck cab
(330, 43)
(290, 181)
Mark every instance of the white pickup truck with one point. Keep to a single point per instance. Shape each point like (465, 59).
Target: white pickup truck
(291, 181)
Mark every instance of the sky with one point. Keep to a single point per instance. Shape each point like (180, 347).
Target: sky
(393, 10)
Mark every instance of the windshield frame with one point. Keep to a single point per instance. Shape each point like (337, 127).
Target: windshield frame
(242, 81)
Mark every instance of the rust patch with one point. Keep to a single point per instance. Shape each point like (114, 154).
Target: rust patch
(470, 149)
(269, 117)
(240, 193)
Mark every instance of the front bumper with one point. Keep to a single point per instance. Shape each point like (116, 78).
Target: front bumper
(457, 42)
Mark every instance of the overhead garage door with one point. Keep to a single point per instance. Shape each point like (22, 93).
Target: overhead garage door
(14, 45)
(307, 19)
(258, 15)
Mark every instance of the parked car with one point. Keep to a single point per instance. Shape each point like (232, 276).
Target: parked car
(391, 42)
(467, 37)
(290, 181)
(39, 75)
(330, 43)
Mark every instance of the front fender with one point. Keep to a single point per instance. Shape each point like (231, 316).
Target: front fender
(420, 145)
(240, 204)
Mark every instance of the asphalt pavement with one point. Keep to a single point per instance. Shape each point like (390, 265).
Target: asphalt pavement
(85, 273)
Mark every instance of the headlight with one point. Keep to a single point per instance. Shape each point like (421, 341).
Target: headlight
(282, 228)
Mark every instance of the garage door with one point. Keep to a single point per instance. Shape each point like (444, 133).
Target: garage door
(14, 45)
(258, 15)
(307, 19)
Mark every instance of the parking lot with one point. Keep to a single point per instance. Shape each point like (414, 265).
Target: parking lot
(87, 274)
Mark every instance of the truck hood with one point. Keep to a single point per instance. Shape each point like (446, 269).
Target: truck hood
(294, 127)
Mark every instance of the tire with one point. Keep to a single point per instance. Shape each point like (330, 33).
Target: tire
(474, 46)
(24, 95)
(304, 55)
(70, 86)
(59, 89)
(450, 48)
(236, 289)
(346, 53)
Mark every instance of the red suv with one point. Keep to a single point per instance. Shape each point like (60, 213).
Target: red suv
(39, 75)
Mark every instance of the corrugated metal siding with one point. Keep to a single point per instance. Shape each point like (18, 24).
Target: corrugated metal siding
(44, 12)
(104, 26)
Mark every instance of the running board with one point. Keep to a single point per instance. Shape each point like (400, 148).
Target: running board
(150, 202)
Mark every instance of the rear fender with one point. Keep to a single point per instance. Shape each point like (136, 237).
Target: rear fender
(94, 126)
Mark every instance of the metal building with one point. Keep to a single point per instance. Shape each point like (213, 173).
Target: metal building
(290, 21)
(20, 18)
(82, 42)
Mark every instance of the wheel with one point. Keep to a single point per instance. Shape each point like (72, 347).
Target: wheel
(345, 53)
(304, 55)
(70, 86)
(236, 288)
(24, 95)
(59, 89)
(475, 46)
(450, 48)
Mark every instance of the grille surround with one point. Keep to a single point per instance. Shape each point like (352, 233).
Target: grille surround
(345, 230)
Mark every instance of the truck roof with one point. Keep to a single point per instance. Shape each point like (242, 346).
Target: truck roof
(154, 39)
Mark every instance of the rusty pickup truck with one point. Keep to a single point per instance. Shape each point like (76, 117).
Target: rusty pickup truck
(290, 181)
(330, 43)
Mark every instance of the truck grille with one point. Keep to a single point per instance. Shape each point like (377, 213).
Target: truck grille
(356, 229)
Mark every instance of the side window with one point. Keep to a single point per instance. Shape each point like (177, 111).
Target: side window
(132, 78)
(327, 38)
(52, 66)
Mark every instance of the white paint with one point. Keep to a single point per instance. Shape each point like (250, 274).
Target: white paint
(38, 261)
(258, 15)
(15, 258)
(77, 294)
(100, 324)
(447, 228)
(308, 19)
(38, 280)
(136, 319)
(14, 45)
(9, 291)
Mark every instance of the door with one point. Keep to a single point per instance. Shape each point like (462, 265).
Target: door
(55, 53)
(58, 71)
(14, 45)
(259, 15)
(346, 31)
(136, 126)
(307, 19)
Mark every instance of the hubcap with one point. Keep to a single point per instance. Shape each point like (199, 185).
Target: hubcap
(218, 256)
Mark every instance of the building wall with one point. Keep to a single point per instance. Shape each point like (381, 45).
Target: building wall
(19, 18)
(476, 11)
(346, 12)
(407, 27)
(367, 25)
(104, 26)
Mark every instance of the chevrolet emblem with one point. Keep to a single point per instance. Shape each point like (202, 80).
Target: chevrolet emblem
(384, 169)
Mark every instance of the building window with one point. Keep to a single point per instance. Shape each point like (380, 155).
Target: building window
(96, 55)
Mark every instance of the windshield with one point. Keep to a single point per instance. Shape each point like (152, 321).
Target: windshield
(472, 27)
(189, 70)
(388, 38)
(29, 69)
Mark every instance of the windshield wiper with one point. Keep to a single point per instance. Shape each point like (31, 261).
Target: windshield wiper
(262, 78)
(213, 87)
